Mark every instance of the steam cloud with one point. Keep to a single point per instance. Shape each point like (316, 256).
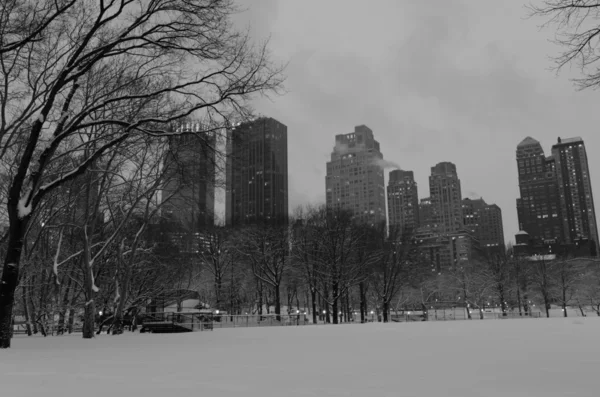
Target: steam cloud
(473, 195)
(386, 164)
(340, 148)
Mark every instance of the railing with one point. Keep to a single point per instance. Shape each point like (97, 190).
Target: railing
(461, 314)
(191, 321)
(255, 320)
(206, 321)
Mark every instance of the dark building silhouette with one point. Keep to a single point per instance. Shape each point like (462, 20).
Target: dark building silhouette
(538, 208)
(484, 221)
(354, 178)
(556, 208)
(190, 173)
(403, 201)
(446, 198)
(575, 191)
(446, 250)
(257, 173)
(425, 212)
(525, 246)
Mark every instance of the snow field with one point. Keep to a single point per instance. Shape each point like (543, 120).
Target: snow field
(524, 357)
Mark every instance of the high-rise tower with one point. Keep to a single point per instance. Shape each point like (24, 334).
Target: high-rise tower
(446, 198)
(257, 173)
(403, 201)
(484, 221)
(575, 191)
(538, 208)
(190, 171)
(354, 178)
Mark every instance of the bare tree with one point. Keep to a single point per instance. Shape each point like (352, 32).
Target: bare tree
(305, 248)
(588, 290)
(391, 265)
(578, 31)
(340, 257)
(568, 274)
(542, 277)
(92, 75)
(268, 251)
(217, 256)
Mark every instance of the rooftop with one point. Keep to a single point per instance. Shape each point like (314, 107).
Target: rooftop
(567, 141)
(528, 141)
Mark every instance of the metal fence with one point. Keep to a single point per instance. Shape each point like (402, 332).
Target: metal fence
(461, 314)
(198, 321)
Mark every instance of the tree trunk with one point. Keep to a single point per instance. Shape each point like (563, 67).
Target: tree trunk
(43, 300)
(363, 302)
(218, 286)
(277, 291)
(26, 310)
(313, 298)
(63, 311)
(117, 326)
(519, 301)
(71, 319)
(10, 271)
(335, 289)
(502, 299)
(260, 298)
(564, 302)
(386, 311)
(89, 315)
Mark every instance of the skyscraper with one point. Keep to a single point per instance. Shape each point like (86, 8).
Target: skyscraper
(425, 213)
(446, 198)
(484, 221)
(354, 178)
(190, 170)
(403, 201)
(538, 208)
(257, 173)
(575, 191)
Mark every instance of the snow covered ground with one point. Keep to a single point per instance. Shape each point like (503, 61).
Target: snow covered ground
(519, 357)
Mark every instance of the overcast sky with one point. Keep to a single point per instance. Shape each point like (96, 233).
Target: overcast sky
(439, 80)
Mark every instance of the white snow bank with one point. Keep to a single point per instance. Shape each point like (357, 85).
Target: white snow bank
(521, 357)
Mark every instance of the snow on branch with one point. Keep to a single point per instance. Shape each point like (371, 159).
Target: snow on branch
(55, 267)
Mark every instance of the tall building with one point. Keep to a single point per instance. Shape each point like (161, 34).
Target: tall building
(425, 212)
(257, 173)
(484, 221)
(354, 178)
(575, 191)
(403, 201)
(538, 208)
(446, 198)
(190, 170)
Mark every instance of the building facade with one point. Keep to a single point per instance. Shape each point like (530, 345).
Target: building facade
(189, 193)
(257, 173)
(446, 198)
(403, 201)
(484, 221)
(538, 208)
(556, 207)
(425, 212)
(575, 191)
(355, 180)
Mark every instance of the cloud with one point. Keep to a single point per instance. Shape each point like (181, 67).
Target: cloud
(386, 164)
(340, 147)
(473, 195)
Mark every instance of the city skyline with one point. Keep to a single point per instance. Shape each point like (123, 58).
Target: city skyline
(469, 97)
